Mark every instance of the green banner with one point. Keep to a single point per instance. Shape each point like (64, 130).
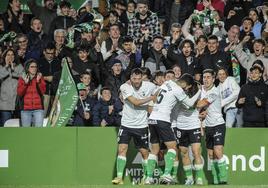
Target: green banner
(65, 100)
(86, 156)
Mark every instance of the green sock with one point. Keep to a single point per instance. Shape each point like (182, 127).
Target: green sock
(175, 168)
(169, 161)
(144, 166)
(120, 165)
(188, 172)
(214, 169)
(199, 173)
(222, 170)
(151, 165)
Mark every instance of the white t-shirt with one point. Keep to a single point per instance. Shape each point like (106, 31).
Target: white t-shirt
(167, 98)
(214, 115)
(135, 116)
(229, 91)
(184, 118)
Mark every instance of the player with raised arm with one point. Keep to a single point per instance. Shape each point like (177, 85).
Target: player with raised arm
(214, 126)
(134, 124)
(170, 93)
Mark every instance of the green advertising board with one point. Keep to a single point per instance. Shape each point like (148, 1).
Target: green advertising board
(86, 156)
(3, 4)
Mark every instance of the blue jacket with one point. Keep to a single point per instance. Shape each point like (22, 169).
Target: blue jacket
(101, 111)
(78, 114)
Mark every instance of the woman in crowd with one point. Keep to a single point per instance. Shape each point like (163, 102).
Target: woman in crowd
(10, 70)
(31, 88)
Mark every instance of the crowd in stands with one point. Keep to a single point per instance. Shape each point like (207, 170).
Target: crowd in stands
(102, 44)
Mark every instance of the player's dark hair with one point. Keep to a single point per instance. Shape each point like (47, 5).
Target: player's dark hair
(210, 71)
(169, 72)
(187, 78)
(146, 71)
(136, 71)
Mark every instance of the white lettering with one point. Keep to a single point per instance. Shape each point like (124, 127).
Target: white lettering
(260, 158)
(243, 162)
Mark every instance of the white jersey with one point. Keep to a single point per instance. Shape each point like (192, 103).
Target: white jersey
(229, 91)
(167, 98)
(135, 116)
(184, 118)
(214, 114)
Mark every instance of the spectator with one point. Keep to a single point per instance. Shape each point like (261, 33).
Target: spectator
(247, 31)
(86, 78)
(63, 21)
(128, 55)
(254, 15)
(106, 112)
(216, 59)
(83, 62)
(61, 49)
(111, 47)
(57, 75)
(15, 20)
(177, 71)
(114, 76)
(246, 60)
(48, 66)
(23, 48)
(211, 5)
(83, 112)
(197, 31)
(252, 99)
(175, 40)
(231, 39)
(229, 91)
(186, 60)
(10, 70)
(130, 13)
(31, 88)
(45, 13)
(235, 11)
(37, 39)
(201, 46)
(155, 57)
(144, 22)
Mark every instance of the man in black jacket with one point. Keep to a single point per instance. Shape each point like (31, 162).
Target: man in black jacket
(252, 98)
(48, 66)
(216, 59)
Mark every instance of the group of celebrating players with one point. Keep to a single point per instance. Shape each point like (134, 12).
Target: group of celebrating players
(174, 115)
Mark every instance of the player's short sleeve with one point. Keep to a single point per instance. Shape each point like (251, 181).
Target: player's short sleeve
(126, 91)
(179, 93)
(152, 88)
(211, 97)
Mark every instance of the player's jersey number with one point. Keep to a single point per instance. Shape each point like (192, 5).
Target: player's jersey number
(160, 96)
